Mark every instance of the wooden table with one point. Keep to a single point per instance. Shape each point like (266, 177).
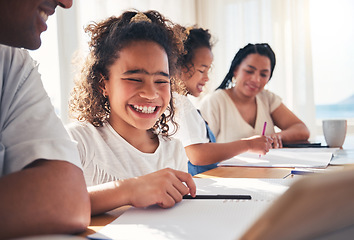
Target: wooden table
(245, 172)
(97, 222)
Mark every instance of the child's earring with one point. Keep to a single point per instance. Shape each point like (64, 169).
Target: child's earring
(104, 93)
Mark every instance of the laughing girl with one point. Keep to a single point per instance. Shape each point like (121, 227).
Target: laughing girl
(120, 102)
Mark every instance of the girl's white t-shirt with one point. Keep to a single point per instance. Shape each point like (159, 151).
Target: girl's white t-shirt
(191, 129)
(106, 156)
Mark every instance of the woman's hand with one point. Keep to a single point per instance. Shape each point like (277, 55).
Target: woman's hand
(277, 140)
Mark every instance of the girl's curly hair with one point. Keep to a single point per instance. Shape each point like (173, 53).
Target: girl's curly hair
(108, 38)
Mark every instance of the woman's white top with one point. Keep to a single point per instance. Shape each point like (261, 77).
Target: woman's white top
(106, 156)
(226, 122)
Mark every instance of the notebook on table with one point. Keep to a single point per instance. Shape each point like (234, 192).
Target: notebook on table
(312, 207)
(284, 157)
(207, 219)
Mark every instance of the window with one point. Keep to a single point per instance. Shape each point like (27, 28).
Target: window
(281, 23)
(47, 57)
(332, 52)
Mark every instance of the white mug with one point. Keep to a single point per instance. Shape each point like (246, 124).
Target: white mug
(334, 132)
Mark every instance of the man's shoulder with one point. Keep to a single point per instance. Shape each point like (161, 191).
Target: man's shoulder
(9, 51)
(15, 60)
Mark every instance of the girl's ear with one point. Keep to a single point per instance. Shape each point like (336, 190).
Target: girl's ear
(102, 86)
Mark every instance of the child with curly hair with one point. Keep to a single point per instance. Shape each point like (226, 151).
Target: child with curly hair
(203, 152)
(120, 102)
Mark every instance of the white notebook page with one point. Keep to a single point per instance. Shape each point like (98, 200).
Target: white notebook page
(200, 219)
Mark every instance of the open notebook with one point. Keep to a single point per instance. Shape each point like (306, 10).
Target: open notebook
(284, 157)
(310, 207)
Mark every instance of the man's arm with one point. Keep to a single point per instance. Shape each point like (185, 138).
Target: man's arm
(47, 197)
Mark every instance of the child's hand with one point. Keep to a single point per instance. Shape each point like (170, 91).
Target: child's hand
(260, 144)
(164, 187)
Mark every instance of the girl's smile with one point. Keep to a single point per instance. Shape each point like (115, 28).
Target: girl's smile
(138, 87)
(146, 111)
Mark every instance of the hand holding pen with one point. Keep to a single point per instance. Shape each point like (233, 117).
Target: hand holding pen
(260, 144)
(277, 141)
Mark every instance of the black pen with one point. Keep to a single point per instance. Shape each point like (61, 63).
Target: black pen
(303, 145)
(217, 196)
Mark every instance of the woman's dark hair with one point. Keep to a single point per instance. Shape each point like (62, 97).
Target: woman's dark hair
(262, 49)
(108, 38)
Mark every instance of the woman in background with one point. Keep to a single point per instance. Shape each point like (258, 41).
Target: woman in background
(199, 142)
(240, 106)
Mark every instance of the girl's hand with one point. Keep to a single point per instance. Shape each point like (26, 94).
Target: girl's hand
(165, 188)
(260, 144)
